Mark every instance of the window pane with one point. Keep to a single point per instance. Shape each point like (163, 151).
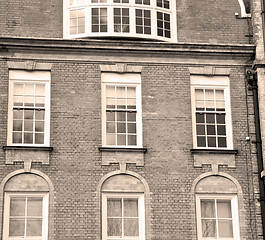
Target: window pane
(18, 101)
(40, 102)
(131, 92)
(110, 127)
(111, 103)
(224, 209)
(210, 106)
(121, 103)
(211, 141)
(199, 95)
(221, 130)
(18, 89)
(220, 106)
(200, 130)
(110, 91)
(121, 128)
(114, 227)
(17, 125)
(121, 139)
(200, 118)
(199, 105)
(131, 103)
(28, 125)
(220, 118)
(16, 227)
(110, 116)
(207, 209)
(40, 90)
(225, 228)
(131, 116)
(28, 114)
(29, 89)
(209, 94)
(121, 116)
(201, 141)
(219, 94)
(221, 142)
(39, 114)
(17, 206)
(111, 140)
(131, 227)
(211, 130)
(114, 207)
(17, 114)
(39, 126)
(132, 140)
(34, 227)
(120, 92)
(208, 228)
(39, 138)
(28, 138)
(17, 137)
(131, 127)
(131, 207)
(210, 118)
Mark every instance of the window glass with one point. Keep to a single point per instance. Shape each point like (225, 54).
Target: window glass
(128, 18)
(25, 216)
(122, 217)
(121, 126)
(210, 117)
(99, 20)
(28, 113)
(216, 218)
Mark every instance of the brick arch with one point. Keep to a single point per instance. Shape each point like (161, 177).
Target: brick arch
(51, 197)
(147, 199)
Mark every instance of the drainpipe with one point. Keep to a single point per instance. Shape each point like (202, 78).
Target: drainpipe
(252, 80)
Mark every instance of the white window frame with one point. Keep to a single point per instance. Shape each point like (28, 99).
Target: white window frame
(45, 207)
(22, 76)
(141, 214)
(234, 210)
(87, 5)
(212, 82)
(130, 80)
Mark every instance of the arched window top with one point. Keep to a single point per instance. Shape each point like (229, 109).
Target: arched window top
(26, 182)
(148, 19)
(215, 184)
(123, 183)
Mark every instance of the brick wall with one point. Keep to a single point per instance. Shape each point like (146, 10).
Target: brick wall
(75, 165)
(208, 21)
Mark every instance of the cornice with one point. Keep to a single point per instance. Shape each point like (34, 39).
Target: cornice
(12, 43)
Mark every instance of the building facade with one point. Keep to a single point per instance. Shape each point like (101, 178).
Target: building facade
(128, 119)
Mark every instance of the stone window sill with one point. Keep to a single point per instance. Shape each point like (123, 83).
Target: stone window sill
(113, 149)
(29, 148)
(214, 151)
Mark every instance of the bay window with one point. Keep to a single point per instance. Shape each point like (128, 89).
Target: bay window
(152, 19)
